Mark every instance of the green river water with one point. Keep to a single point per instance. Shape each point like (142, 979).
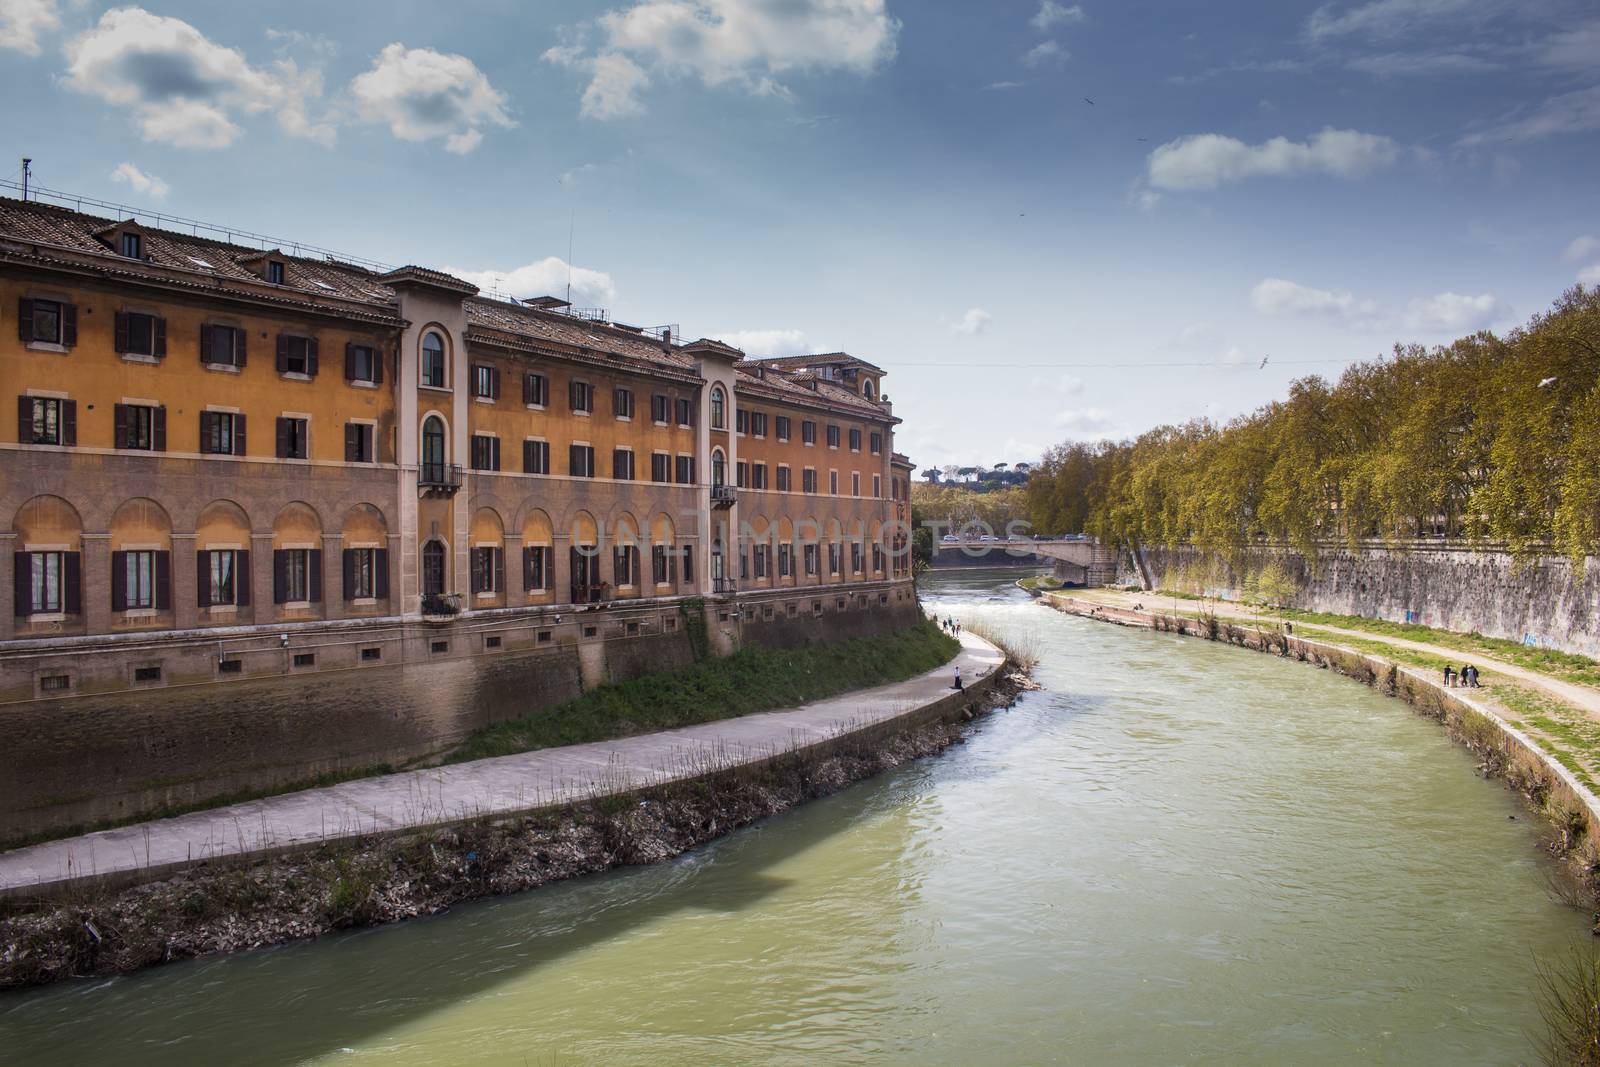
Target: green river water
(1178, 853)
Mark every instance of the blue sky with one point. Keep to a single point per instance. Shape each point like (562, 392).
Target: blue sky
(926, 186)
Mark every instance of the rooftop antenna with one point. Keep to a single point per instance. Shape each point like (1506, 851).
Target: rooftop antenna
(27, 165)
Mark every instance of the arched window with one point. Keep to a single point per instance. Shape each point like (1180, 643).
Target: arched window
(433, 470)
(719, 466)
(718, 404)
(867, 389)
(433, 359)
(433, 569)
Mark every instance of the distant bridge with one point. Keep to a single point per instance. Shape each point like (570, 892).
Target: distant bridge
(1079, 561)
(1083, 562)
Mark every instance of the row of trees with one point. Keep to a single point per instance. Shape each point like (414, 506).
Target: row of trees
(1488, 438)
(981, 479)
(955, 507)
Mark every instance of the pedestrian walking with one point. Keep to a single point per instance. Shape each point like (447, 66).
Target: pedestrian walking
(1472, 675)
(1449, 676)
(958, 684)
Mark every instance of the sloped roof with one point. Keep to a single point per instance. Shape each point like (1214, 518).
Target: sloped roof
(836, 359)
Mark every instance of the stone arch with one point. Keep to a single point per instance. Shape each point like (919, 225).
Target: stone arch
(719, 408)
(364, 527)
(808, 530)
(583, 529)
(222, 524)
(488, 530)
(624, 530)
(719, 467)
(663, 531)
(297, 525)
(433, 442)
(426, 337)
(537, 528)
(48, 520)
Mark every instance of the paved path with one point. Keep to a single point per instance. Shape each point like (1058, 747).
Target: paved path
(1580, 696)
(503, 785)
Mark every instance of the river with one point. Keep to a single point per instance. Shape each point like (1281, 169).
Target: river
(1178, 852)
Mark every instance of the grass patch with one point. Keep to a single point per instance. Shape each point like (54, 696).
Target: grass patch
(1043, 582)
(752, 679)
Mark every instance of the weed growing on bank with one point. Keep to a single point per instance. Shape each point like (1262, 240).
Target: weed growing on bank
(1569, 1002)
(751, 680)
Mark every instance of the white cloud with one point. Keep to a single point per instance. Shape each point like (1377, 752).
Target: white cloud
(1054, 14)
(1590, 275)
(22, 22)
(615, 85)
(1581, 248)
(1278, 296)
(974, 322)
(140, 182)
(749, 44)
(546, 277)
(1422, 65)
(1091, 424)
(1573, 48)
(763, 344)
(422, 94)
(1003, 85)
(1574, 112)
(1044, 52)
(1455, 313)
(184, 87)
(1386, 18)
(1206, 160)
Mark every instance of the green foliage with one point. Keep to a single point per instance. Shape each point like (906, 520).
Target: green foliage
(752, 679)
(1493, 438)
(693, 611)
(954, 507)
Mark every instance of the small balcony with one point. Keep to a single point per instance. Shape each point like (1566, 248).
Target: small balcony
(438, 479)
(440, 609)
(724, 586)
(724, 496)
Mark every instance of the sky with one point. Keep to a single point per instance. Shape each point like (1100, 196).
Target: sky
(1047, 221)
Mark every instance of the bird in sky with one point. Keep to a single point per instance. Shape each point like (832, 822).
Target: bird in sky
(1141, 138)
(1088, 101)
(1263, 362)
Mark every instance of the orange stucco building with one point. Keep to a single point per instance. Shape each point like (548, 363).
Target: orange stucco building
(297, 463)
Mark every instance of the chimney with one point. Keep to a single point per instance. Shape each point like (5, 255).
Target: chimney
(666, 339)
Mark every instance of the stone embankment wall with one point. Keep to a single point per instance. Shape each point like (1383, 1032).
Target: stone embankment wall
(100, 757)
(1447, 586)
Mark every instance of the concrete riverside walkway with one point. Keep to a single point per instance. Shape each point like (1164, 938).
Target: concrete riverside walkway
(500, 786)
(1584, 697)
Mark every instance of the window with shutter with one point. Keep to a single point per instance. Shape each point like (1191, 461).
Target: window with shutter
(535, 390)
(536, 457)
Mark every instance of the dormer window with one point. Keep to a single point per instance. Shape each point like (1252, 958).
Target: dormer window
(132, 245)
(275, 271)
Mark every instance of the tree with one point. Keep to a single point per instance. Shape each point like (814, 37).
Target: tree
(1487, 438)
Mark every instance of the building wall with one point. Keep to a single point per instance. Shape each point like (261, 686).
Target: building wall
(377, 692)
(112, 712)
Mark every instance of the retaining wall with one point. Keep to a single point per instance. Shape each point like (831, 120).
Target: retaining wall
(1456, 588)
(200, 735)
